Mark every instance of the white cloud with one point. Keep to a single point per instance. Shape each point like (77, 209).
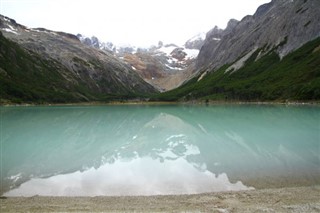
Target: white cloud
(139, 22)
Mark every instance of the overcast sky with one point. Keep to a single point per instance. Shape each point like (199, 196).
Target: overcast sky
(136, 22)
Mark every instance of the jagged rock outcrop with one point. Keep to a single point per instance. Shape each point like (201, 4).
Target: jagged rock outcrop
(178, 53)
(282, 24)
(196, 42)
(96, 43)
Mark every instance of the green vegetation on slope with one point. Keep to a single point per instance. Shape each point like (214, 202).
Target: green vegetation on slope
(27, 77)
(295, 77)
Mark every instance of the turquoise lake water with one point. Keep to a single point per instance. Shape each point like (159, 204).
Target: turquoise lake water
(151, 150)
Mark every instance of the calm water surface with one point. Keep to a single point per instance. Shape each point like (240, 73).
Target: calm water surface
(148, 150)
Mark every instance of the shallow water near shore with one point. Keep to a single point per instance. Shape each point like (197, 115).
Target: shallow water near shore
(152, 150)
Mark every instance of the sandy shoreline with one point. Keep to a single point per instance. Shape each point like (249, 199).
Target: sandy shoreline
(295, 199)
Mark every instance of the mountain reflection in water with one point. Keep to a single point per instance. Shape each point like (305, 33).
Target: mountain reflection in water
(148, 150)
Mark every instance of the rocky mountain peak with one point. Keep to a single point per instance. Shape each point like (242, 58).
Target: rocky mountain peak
(160, 44)
(6, 22)
(214, 34)
(282, 24)
(232, 23)
(195, 42)
(263, 9)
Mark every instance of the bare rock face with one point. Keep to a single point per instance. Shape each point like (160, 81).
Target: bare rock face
(282, 24)
(178, 54)
(213, 38)
(148, 67)
(160, 65)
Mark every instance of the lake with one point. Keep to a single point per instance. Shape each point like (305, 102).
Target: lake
(157, 149)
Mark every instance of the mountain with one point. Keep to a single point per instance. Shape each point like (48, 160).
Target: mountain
(195, 42)
(271, 55)
(164, 66)
(282, 24)
(40, 65)
(109, 47)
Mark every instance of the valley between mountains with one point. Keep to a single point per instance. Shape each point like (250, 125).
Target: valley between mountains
(272, 55)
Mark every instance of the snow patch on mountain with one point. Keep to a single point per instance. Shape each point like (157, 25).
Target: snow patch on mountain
(6, 26)
(10, 30)
(192, 53)
(167, 49)
(171, 56)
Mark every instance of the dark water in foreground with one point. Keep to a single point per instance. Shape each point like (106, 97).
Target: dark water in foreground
(147, 150)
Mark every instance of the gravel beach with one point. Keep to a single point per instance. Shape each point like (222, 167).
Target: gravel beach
(293, 199)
